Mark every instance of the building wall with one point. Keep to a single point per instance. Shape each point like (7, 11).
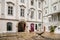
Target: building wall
(3, 26)
(48, 19)
(0, 8)
(17, 5)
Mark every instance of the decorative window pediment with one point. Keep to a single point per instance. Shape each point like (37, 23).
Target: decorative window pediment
(10, 3)
(32, 8)
(22, 6)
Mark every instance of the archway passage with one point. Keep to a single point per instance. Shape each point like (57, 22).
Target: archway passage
(21, 26)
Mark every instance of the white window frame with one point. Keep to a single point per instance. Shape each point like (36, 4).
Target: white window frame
(9, 24)
(22, 12)
(45, 11)
(58, 17)
(32, 14)
(54, 8)
(22, 1)
(39, 16)
(54, 18)
(10, 9)
(50, 19)
(39, 4)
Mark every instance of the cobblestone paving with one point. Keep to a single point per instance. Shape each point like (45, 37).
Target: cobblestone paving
(27, 36)
(32, 38)
(40, 38)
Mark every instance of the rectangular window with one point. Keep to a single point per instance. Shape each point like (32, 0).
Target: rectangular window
(54, 18)
(54, 8)
(39, 15)
(50, 19)
(22, 1)
(58, 28)
(9, 26)
(36, 26)
(10, 10)
(58, 17)
(45, 3)
(45, 11)
(39, 4)
(32, 14)
(39, 25)
(22, 12)
(32, 2)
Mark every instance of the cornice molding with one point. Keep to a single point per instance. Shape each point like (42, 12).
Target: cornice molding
(34, 21)
(9, 19)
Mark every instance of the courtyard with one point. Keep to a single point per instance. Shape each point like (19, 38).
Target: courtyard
(29, 19)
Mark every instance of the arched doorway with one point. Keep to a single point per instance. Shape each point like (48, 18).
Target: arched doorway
(21, 26)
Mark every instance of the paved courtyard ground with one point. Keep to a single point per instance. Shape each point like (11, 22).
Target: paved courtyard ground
(29, 36)
(51, 35)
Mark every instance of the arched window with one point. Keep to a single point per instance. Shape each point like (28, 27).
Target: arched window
(9, 26)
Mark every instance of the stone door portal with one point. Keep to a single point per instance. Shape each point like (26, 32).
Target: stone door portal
(21, 26)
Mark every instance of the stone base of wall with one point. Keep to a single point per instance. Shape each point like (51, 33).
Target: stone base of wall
(8, 36)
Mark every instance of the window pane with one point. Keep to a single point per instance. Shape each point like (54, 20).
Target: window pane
(8, 11)
(54, 8)
(36, 26)
(9, 26)
(50, 19)
(55, 18)
(39, 15)
(22, 12)
(22, 1)
(58, 17)
(11, 7)
(8, 7)
(39, 25)
(11, 10)
(39, 4)
(45, 11)
(32, 14)
(32, 2)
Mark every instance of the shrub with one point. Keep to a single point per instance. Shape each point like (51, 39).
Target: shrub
(52, 28)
